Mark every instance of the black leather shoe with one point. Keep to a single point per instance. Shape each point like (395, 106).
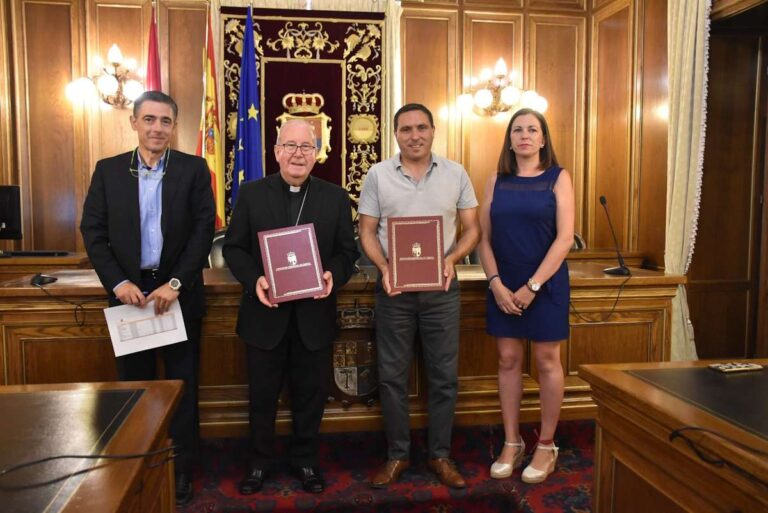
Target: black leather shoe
(311, 479)
(253, 481)
(183, 489)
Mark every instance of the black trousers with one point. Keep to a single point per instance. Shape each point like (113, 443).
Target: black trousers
(182, 361)
(307, 373)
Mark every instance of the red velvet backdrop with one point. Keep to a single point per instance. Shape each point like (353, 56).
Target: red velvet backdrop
(336, 55)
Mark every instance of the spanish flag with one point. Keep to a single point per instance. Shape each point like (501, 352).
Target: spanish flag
(209, 139)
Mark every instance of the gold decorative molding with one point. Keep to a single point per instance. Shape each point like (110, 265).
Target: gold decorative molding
(299, 43)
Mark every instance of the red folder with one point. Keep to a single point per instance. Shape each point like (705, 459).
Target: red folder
(415, 246)
(292, 263)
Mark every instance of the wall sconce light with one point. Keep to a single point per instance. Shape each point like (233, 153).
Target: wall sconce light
(494, 93)
(115, 85)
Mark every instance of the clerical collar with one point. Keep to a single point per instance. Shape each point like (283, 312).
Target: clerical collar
(294, 188)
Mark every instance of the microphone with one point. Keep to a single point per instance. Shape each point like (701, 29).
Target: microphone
(621, 270)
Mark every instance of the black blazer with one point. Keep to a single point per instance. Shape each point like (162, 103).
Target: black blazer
(261, 205)
(111, 226)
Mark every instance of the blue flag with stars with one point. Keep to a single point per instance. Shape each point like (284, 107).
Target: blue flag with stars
(248, 164)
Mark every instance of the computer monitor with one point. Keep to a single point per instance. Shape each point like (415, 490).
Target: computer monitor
(10, 212)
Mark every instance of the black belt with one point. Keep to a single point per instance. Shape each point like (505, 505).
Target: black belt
(153, 274)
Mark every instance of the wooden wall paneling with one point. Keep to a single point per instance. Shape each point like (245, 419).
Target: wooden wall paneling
(557, 46)
(8, 172)
(45, 143)
(610, 125)
(430, 67)
(723, 273)
(126, 25)
(183, 34)
(500, 6)
(559, 5)
(488, 37)
(651, 176)
(599, 4)
(725, 8)
(8, 169)
(421, 3)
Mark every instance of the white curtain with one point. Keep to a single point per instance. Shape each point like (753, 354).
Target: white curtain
(688, 46)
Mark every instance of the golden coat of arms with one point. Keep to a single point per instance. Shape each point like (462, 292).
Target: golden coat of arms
(307, 107)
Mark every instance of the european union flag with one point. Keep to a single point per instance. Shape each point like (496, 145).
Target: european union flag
(248, 165)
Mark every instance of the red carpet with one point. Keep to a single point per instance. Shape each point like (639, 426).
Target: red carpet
(350, 458)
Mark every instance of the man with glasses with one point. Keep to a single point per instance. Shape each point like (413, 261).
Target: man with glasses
(148, 223)
(291, 342)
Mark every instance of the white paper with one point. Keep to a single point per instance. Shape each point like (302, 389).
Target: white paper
(133, 328)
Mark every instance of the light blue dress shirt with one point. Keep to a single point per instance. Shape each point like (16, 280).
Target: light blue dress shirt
(151, 211)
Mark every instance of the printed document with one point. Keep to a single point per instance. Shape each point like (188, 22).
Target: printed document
(133, 329)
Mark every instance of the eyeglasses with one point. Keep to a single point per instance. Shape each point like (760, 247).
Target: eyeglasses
(290, 148)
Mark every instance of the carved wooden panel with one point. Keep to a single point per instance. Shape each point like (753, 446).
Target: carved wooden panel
(122, 24)
(430, 57)
(184, 28)
(610, 125)
(497, 5)
(51, 352)
(651, 180)
(725, 8)
(488, 37)
(560, 5)
(8, 169)
(44, 131)
(557, 46)
(223, 352)
(599, 4)
(624, 337)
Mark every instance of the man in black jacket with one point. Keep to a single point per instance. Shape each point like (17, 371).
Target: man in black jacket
(148, 223)
(293, 340)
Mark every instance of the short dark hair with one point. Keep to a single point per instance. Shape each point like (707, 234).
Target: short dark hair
(408, 107)
(155, 96)
(508, 162)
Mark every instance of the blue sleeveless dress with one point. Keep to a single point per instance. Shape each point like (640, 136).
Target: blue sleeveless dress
(523, 227)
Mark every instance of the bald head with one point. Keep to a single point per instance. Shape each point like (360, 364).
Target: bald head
(295, 151)
(295, 124)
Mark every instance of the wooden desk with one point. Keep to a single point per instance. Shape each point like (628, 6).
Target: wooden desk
(16, 267)
(96, 418)
(42, 342)
(638, 469)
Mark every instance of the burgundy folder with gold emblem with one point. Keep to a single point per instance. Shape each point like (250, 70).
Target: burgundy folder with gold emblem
(415, 246)
(292, 263)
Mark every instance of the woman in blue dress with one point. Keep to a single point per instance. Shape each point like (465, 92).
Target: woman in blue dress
(527, 218)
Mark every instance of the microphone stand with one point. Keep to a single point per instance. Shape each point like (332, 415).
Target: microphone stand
(622, 269)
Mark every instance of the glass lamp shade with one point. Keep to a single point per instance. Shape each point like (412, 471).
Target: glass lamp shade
(133, 89)
(539, 104)
(80, 90)
(500, 69)
(483, 98)
(510, 95)
(107, 85)
(114, 55)
(465, 102)
(528, 98)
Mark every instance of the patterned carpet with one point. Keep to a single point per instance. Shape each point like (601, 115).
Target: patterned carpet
(350, 458)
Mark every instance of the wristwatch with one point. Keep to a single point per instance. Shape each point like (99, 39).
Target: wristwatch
(175, 284)
(533, 286)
